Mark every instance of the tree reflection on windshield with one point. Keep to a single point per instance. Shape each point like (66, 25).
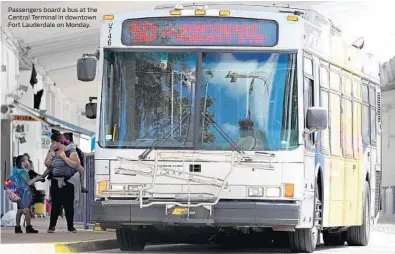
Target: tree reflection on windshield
(144, 96)
(253, 98)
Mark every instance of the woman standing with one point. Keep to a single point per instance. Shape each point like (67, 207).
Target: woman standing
(61, 190)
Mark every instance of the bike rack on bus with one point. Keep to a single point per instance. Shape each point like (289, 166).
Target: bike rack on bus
(154, 170)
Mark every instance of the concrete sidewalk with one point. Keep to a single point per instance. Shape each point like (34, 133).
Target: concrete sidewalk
(386, 224)
(61, 241)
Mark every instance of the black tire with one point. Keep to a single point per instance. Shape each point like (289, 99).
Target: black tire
(359, 235)
(130, 240)
(304, 240)
(334, 239)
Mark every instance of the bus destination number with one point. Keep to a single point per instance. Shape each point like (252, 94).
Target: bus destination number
(109, 34)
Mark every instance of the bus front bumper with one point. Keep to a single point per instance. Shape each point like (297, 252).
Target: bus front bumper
(112, 214)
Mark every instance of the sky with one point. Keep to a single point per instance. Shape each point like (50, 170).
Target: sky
(372, 20)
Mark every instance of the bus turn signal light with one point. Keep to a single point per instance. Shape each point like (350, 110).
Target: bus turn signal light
(200, 12)
(289, 190)
(101, 187)
(108, 17)
(224, 13)
(175, 12)
(292, 18)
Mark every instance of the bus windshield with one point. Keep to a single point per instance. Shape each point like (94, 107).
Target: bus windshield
(252, 97)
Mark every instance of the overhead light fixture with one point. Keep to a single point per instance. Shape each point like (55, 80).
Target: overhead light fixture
(4, 109)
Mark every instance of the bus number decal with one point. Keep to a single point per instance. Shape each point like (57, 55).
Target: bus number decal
(109, 34)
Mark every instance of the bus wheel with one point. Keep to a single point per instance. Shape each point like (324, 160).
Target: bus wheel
(130, 240)
(334, 239)
(305, 240)
(359, 235)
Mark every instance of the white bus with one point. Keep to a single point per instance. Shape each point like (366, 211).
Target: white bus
(220, 123)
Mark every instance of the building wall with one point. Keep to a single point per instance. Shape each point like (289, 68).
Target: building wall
(54, 101)
(388, 137)
(8, 80)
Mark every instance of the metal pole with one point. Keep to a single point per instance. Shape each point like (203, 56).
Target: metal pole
(204, 110)
(248, 97)
(172, 99)
(180, 102)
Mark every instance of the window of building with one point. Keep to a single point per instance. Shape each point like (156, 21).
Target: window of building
(335, 121)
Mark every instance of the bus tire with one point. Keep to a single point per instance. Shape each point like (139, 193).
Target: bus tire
(130, 240)
(334, 239)
(359, 235)
(304, 240)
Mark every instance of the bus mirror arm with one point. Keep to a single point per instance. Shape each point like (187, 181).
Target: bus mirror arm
(309, 131)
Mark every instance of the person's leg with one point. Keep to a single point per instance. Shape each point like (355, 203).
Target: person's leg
(18, 228)
(56, 205)
(82, 176)
(68, 203)
(29, 227)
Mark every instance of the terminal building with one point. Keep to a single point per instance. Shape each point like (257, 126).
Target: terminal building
(31, 106)
(387, 80)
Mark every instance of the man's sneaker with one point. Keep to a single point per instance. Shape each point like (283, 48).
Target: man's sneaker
(51, 230)
(31, 230)
(18, 230)
(72, 230)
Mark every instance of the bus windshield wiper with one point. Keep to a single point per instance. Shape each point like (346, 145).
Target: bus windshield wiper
(223, 133)
(160, 140)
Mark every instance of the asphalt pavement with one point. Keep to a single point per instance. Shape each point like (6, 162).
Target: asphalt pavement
(380, 243)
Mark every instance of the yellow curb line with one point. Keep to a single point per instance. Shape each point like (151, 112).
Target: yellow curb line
(84, 246)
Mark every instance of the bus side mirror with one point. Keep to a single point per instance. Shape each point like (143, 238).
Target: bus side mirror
(90, 110)
(86, 69)
(316, 118)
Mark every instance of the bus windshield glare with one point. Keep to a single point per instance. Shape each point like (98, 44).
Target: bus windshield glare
(252, 97)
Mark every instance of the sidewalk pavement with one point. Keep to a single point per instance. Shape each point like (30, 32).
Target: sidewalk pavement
(61, 241)
(386, 224)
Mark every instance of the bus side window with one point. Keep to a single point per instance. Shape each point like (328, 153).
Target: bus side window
(365, 115)
(372, 102)
(309, 101)
(324, 102)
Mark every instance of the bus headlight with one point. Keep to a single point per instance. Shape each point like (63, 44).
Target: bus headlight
(255, 191)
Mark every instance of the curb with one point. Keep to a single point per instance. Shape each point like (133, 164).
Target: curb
(76, 247)
(71, 247)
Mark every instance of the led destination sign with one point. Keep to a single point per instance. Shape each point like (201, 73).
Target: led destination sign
(199, 31)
